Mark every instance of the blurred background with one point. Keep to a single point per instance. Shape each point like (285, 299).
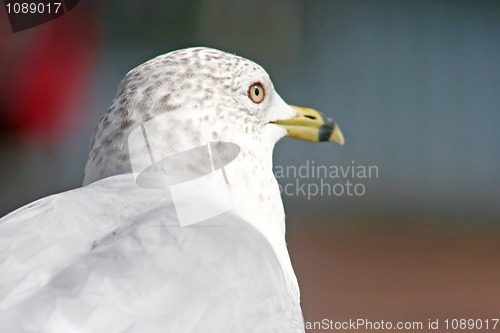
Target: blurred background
(414, 85)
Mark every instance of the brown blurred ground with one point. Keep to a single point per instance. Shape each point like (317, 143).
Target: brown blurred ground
(350, 271)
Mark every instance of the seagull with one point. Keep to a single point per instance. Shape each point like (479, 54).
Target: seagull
(179, 225)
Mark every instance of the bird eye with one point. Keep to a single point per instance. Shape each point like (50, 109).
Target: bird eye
(256, 92)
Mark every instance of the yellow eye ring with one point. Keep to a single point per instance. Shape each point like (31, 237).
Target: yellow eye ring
(256, 92)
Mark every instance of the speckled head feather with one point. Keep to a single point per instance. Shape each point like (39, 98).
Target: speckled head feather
(206, 93)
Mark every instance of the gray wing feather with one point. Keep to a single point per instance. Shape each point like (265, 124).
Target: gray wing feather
(111, 257)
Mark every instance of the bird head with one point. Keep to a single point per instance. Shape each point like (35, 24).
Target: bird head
(199, 95)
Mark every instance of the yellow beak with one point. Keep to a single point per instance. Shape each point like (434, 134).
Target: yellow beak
(311, 125)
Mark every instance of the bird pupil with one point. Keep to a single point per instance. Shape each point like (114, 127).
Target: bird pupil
(257, 92)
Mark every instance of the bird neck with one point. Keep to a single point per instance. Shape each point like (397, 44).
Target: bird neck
(257, 199)
(255, 192)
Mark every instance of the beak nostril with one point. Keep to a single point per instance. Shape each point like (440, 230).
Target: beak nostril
(310, 117)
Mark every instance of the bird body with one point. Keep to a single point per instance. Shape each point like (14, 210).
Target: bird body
(114, 255)
(111, 257)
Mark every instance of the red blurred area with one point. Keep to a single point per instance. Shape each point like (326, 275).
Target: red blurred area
(44, 76)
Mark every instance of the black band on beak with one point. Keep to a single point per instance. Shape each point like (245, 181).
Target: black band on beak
(326, 130)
